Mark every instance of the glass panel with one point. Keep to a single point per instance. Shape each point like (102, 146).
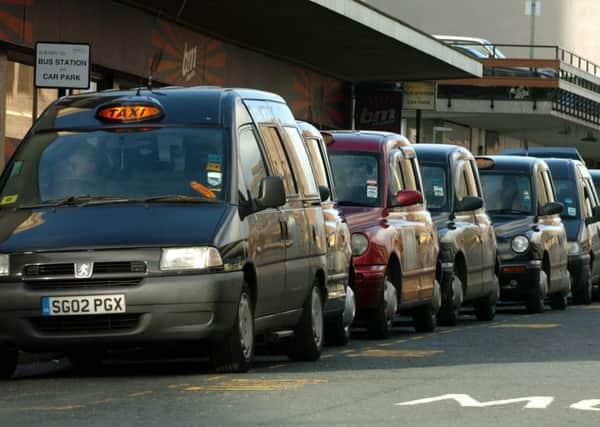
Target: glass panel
(317, 162)
(435, 187)
(297, 152)
(251, 162)
(507, 193)
(135, 165)
(356, 177)
(278, 158)
(566, 193)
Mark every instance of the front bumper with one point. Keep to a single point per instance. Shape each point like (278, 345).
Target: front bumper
(158, 309)
(519, 279)
(368, 286)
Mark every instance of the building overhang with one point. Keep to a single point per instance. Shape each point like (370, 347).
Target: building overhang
(346, 39)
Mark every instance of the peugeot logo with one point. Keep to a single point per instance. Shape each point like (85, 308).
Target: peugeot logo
(84, 270)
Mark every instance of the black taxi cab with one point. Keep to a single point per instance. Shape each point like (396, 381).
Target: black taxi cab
(467, 258)
(531, 238)
(581, 217)
(174, 215)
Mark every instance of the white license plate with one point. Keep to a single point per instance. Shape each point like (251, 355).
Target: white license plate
(81, 305)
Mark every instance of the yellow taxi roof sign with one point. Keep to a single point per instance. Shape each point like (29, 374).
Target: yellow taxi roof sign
(129, 113)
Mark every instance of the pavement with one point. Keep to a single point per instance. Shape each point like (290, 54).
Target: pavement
(534, 370)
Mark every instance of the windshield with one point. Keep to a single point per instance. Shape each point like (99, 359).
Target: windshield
(435, 186)
(507, 193)
(356, 178)
(123, 163)
(566, 193)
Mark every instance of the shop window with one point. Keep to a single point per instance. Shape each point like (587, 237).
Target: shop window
(19, 104)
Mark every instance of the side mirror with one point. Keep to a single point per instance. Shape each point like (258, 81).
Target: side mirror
(272, 193)
(551, 208)
(324, 193)
(469, 203)
(409, 197)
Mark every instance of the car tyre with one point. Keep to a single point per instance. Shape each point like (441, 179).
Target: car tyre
(236, 352)
(86, 361)
(485, 308)
(307, 342)
(582, 295)
(558, 300)
(9, 359)
(450, 309)
(337, 333)
(536, 301)
(425, 319)
(380, 320)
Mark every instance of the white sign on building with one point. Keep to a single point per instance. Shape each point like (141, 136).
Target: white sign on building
(418, 96)
(62, 65)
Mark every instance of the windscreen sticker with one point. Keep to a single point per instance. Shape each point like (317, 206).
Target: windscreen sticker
(215, 167)
(438, 191)
(371, 182)
(215, 158)
(214, 179)
(7, 200)
(16, 169)
(526, 195)
(569, 201)
(206, 192)
(372, 191)
(572, 211)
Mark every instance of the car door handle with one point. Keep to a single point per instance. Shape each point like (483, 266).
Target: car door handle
(284, 229)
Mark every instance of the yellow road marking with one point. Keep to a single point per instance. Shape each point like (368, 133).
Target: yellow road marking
(400, 341)
(526, 325)
(346, 351)
(396, 353)
(141, 393)
(181, 385)
(327, 356)
(50, 408)
(590, 307)
(247, 384)
(415, 338)
(277, 366)
(386, 344)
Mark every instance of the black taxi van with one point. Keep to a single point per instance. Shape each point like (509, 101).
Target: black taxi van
(174, 215)
(581, 217)
(467, 258)
(531, 239)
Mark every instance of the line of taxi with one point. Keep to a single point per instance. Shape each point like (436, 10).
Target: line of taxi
(210, 218)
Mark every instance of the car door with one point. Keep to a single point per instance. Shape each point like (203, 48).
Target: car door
(591, 202)
(471, 242)
(293, 222)
(487, 236)
(420, 219)
(265, 234)
(406, 243)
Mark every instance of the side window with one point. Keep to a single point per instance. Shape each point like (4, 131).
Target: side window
(462, 186)
(300, 161)
(542, 195)
(549, 186)
(252, 164)
(411, 179)
(396, 178)
(471, 180)
(278, 158)
(318, 162)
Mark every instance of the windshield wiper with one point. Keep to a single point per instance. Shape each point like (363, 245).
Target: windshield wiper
(508, 211)
(80, 200)
(179, 198)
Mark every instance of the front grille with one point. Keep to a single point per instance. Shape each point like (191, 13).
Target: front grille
(80, 284)
(86, 324)
(117, 267)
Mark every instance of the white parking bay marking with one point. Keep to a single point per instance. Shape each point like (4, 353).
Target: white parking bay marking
(466, 401)
(587, 405)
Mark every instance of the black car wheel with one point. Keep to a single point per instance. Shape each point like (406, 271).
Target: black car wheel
(236, 352)
(558, 300)
(380, 320)
(582, 294)
(450, 309)
(337, 333)
(536, 300)
(485, 308)
(425, 319)
(308, 335)
(86, 360)
(9, 358)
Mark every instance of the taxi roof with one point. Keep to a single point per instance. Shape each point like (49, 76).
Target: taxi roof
(366, 140)
(512, 163)
(200, 105)
(563, 168)
(439, 152)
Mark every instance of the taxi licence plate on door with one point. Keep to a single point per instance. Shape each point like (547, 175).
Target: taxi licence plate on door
(82, 305)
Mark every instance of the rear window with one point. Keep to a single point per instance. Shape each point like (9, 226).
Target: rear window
(566, 193)
(356, 177)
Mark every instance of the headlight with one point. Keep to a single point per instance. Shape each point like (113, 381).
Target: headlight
(190, 258)
(4, 265)
(359, 244)
(574, 248)
(520, 244)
